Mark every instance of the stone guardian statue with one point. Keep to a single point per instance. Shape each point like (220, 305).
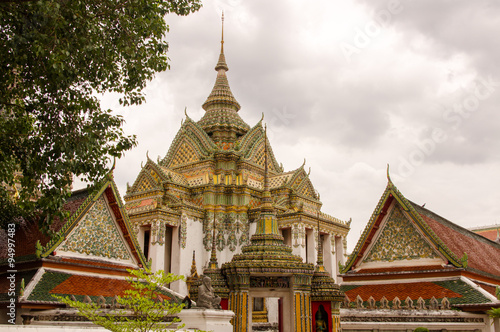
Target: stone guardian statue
(206, 297)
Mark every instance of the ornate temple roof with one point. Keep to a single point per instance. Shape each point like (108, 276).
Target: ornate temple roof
(221, 107)
(434, 236)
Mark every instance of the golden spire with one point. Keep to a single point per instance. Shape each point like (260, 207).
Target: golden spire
(222, 38)
(266, 184)
(221, 64)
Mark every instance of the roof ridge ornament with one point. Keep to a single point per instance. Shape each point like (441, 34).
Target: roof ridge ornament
(388, 175)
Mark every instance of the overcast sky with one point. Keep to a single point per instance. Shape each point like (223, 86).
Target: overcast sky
(350, 86)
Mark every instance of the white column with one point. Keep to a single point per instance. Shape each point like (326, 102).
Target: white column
(496, 324)
(339, 256)
(299, 241)
(311, 240)
(328, 258)
(175, 263)
(157, 252)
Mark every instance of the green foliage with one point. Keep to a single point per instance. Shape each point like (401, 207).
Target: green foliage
(494, 312)
(421, 329)
(144, 312)
(56, 56)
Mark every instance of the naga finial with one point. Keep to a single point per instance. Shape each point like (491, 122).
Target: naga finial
(388, 175)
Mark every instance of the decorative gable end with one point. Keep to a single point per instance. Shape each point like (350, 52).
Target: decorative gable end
(399, 240)
(190, 144)
(306, 189)
(146, 182)
(97, 234)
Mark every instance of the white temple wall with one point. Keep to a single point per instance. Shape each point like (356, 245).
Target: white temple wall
(186, 239)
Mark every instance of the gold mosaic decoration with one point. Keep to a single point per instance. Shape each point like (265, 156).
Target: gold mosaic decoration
(185, 154)
(399, 240)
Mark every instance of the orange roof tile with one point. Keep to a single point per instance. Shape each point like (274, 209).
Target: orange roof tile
(483, 254)
(426, 290)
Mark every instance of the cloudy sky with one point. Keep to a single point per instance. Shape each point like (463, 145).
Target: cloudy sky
(350, 86)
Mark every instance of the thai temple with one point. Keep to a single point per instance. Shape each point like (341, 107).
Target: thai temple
(413, 268)
(220, 187)
(219, 204)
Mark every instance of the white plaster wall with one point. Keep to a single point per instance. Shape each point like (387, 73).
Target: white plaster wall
(184, 256)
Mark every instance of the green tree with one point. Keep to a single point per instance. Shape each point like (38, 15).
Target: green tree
(494, 312)
(56, 57)
(143, 310)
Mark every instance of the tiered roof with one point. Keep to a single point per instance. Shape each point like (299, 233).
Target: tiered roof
(221, 107)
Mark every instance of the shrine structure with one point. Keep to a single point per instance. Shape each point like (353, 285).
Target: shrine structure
(219, 186)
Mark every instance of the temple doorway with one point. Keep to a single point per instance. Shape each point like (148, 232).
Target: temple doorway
(273, 305)
(266, 314)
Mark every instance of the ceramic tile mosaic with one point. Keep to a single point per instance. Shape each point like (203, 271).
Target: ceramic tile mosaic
(97, 235)
(399, 240)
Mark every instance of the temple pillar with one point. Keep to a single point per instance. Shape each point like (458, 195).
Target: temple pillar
(496, 324)
(311, 244)
(328, 257)
(302, 311)
(175, 262)
(157, 252)
(299, 241)
(339, 257)
(239, 304)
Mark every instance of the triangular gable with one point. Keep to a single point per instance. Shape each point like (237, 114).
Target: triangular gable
(299, 175)
(306, 188)
(370, 234)
(100, 228)
(146, 180)
(252, 147)
(399, 240)
(191, 144)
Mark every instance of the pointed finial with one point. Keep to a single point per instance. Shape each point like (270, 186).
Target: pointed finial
(185, 110)
(222, 37)
(309, 173)
(114, 164)
(266, 184)
(262, 116)
(388, 175)
(303, 164)
(147, 155)
(221, 64)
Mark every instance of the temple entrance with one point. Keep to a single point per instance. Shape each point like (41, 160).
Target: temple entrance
(276, 304)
